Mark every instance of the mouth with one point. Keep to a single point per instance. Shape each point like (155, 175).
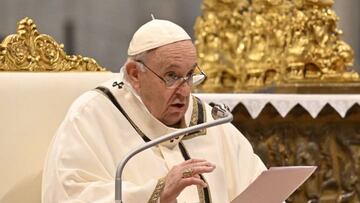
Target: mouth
(178, 105)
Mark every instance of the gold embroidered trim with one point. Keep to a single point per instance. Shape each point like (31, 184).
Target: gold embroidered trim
(158, 189)
(194, 115)
(200, 190)
(195, 118)
(201, 194)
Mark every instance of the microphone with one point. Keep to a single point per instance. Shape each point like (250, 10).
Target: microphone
(219, 112)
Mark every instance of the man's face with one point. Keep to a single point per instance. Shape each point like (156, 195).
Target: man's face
(167, 104)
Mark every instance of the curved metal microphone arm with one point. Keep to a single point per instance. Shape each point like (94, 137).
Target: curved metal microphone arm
(118, 181)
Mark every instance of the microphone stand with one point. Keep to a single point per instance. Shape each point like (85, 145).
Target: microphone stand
(217, 110)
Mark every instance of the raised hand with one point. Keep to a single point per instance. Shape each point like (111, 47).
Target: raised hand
(183, 175)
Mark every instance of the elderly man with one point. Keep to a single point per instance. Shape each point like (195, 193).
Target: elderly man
(153, 98)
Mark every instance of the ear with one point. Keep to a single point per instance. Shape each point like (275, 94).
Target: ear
(133, 75)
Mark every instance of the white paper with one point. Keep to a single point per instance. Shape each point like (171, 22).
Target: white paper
(275, 185)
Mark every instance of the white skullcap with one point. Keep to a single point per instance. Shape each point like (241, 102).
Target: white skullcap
(156, 33)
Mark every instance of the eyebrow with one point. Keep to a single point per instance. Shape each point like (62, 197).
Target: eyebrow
(177, 66)
(193, 68)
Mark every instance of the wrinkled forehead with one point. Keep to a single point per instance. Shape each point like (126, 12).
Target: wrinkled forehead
(181, 54)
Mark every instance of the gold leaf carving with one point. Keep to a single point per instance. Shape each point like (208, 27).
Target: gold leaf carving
(245, 44)
(30, 51)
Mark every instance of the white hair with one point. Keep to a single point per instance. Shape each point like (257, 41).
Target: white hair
(134, 58)
(124, 74)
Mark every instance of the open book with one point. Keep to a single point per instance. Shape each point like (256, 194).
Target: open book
(275, 185)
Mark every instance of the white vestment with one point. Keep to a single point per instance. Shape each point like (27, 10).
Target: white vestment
(93, 138)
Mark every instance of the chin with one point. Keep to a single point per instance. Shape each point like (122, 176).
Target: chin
(174, 116)
(172, 120)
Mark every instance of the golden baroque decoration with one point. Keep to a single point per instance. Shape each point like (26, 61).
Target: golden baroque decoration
(248, 44)
(30, 51)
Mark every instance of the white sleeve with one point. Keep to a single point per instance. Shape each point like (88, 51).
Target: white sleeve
(244, 166)
(81, 168)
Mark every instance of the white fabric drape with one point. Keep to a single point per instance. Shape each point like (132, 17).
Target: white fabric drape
(283, 103)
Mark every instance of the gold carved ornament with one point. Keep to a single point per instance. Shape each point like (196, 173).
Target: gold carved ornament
(330, 142)
(30, 51)
(245, 44)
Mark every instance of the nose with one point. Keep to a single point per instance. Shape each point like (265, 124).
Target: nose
(184, 88)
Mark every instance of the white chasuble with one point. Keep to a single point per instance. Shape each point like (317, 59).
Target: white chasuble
(94, 136)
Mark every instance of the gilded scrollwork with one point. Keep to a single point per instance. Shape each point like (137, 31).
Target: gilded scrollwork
(27, 50)
(247, 44)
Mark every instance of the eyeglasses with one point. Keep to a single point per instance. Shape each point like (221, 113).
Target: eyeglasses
(172, 80)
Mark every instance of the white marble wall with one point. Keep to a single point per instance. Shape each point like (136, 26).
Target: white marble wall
(104, 28)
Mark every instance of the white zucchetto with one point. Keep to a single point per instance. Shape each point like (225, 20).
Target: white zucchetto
(154, 34)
